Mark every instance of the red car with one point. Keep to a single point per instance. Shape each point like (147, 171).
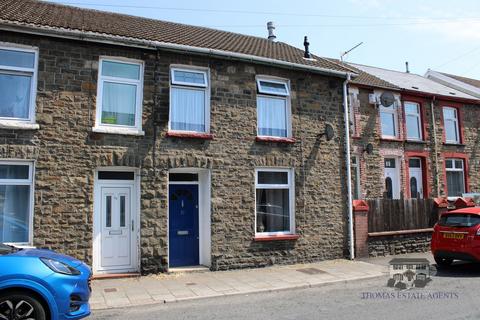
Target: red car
(456, 236)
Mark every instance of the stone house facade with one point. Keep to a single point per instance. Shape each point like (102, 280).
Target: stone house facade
(136, 155)
(423, 146)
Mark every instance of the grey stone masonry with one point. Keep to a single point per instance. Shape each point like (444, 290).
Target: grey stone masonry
(66, 154)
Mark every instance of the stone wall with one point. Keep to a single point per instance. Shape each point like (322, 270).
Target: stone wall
(399, 244)
(66, 153)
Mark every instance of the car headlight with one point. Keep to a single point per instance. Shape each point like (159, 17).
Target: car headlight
(60, 267)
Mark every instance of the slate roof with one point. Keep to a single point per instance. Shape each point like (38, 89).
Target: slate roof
(39, 14)
(367, 79)
(412, 82)
(472, 82)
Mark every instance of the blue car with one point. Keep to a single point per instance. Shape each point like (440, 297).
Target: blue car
(41, 284)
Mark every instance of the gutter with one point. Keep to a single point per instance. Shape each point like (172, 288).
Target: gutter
(349, 170)
(155, 45)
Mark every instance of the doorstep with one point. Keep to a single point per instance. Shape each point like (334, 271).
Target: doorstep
(181, 286)
(188, 269)
(115, 275)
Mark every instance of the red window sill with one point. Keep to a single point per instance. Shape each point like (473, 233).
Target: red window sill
(454, 144)
(275, 139)
(277, 237)
(189, 135)
(416, 141)
(392, 139)
(356, 137)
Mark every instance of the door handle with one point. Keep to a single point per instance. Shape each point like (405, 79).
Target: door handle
(182, 233)
(133, 227)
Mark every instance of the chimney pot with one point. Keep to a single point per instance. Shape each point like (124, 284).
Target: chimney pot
(271, 31)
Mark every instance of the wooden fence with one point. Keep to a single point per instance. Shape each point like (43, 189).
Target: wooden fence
(401, 214)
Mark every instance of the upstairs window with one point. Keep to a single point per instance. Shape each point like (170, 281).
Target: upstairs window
(120, 89)
(273, 108)
(18, 81)
(455, 177)
(189, 100)
(450, 120)
(388, 121)
(413, 121)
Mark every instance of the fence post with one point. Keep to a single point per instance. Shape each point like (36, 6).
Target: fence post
(360, 212)
(464, 203)
(440, 205)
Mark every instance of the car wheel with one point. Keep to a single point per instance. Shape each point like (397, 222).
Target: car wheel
(20, 306)
(443, 262)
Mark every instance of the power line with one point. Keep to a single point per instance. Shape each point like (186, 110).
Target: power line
(458, 57)
(263, 12)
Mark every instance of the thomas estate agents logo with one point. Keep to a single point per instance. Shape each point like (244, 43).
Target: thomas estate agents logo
(406, 273)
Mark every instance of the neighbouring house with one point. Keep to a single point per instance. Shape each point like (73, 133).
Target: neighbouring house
(412, 140)
(140, 145)
(421, 143)
(466, 85)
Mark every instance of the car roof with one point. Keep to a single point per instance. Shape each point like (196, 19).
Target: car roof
(472, 210)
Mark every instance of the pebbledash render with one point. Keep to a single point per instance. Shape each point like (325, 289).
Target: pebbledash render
(138, 158)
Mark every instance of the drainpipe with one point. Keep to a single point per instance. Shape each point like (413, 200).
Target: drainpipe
(435, 147)
(349, 171)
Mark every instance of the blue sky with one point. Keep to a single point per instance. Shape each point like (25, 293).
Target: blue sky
(441, 35)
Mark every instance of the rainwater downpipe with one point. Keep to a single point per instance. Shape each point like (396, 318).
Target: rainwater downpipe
(349, 171)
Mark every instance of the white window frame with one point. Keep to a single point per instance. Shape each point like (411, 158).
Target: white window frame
(291, 197)
(357, 173)
(418, 116)
(116, 128)
(393, 111)
(455, 121)
(455, 169)
(193, 86)
(20, 123)
(276, 95)
(23, 182)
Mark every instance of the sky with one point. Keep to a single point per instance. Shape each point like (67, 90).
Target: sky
(436, 34)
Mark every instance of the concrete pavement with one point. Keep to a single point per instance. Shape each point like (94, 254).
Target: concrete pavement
(164, 288)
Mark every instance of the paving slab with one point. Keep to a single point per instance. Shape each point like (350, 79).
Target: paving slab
(181, 286)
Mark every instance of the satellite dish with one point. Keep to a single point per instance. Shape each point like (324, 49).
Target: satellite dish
(387, 99)
(329, 132)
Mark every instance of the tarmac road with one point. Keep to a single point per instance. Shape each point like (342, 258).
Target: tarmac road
(452, 294)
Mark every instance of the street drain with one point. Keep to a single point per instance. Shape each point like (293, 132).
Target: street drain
(110, 290)
(311, 271)
(191, 284)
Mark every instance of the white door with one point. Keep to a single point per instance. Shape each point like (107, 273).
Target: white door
(392, 179)
(116, 232)
(416, 178)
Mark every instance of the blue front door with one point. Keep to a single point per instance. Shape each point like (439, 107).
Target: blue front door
(183, 225)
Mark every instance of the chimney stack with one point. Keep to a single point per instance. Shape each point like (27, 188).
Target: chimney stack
(407, 70)
(271, 29)
(307, 54)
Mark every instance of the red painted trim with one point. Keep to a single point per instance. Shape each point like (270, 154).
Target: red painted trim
(423, 155)
(189, 135)
(391, 139)
(277, 237)
(275, 139)
(462, 156)
(440, 97)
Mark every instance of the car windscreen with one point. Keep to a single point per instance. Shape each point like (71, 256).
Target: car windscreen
(459, 220)
(4, 249)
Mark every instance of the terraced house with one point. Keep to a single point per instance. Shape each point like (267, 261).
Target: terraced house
(411, 137)
(140, 145)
